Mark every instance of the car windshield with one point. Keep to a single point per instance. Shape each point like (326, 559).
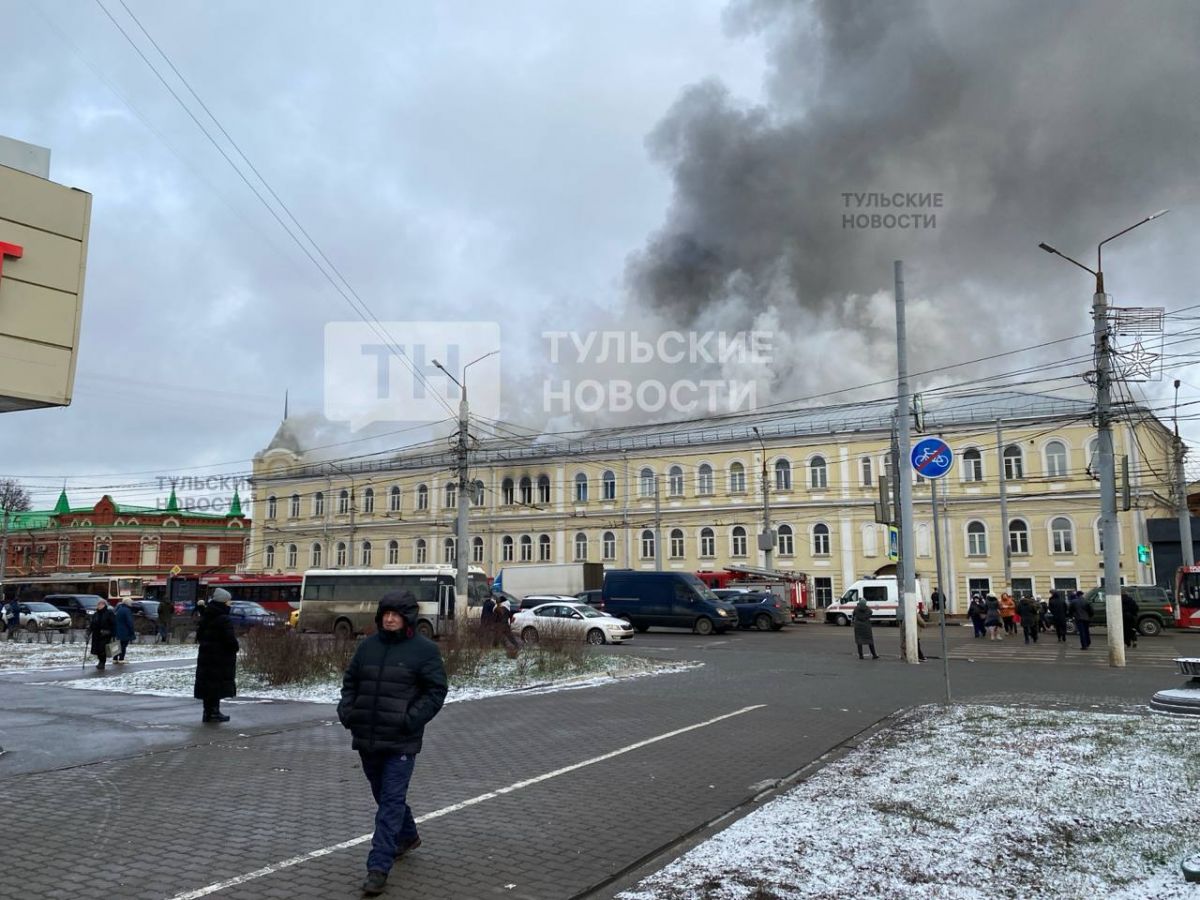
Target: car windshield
(42, 607)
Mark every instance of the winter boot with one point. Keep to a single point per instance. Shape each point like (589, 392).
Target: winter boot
(403, 847)
(375, 883)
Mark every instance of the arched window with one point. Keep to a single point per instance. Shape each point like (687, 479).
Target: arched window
(972, 465)
(787, 546)
(1018, 538)
(544, 548)
(365, 555)
(820, 539)
(818, 475)
(1062, 535)
(646, 481)
(870, 539)
(581, 488)
(318, 505)
(737, 478)
(506, 549)
(581, 543)
(1094, 457)
(647, 544)
(450, 551)
(526, 548)
(340, 555)
(393, 553)
(271, 507)
(526, 491)
(676, 546)
(343, 502)
(738, 541)
(451, 495)
(394, 499)
(704, 480)
(269, 556)
(369, 500)
(543, 489)
(292, 552)
(708, 542)
(422, 496)
(783, 475)
(314, 557)
(864, 466)
(1056, 459)
(507, 493)
(294, 510)
(608, 482)
(478, 491)
(1014, 463)
(675, 481)
(477, 549)
(609, 542)
(976, 538)
(421, 552)
(102, 553)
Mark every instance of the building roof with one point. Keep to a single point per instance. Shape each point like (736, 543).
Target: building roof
(285, 439)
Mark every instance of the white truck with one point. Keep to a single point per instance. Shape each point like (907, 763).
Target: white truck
(882, 595)
(553, 578)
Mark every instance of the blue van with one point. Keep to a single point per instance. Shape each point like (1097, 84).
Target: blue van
(666, 600)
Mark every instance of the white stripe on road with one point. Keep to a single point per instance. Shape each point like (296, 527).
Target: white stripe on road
(446, 810)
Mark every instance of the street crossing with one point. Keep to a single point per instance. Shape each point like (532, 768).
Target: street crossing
(1156, 653)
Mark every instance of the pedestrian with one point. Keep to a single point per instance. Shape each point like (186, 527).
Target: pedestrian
(503, 626)
(1027, 609)
(216, 661)
(1043, 616)
(1058, 615)
(976, 613)
(937, 599)
(1083, 612)
(1008, 613)
(863, 636)
(992, 619)
(166, 616)
(123, 629)
(12, 617)
(1129, 617)
(101, 628)
(394, 686)
(487, 622)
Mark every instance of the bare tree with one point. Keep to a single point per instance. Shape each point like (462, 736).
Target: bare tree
(13, 497)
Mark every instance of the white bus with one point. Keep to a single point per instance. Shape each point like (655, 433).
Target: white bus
(343, 601)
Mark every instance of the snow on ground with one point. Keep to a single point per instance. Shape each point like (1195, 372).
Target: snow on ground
(499, 677)
(20, 656)
(970, 802)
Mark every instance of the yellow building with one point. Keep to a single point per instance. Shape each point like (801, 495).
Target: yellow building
(593, 497)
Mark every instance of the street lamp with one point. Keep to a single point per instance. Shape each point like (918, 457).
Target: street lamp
(462, 539)
(1108, 485)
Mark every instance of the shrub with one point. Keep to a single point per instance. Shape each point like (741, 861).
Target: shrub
(282, 656)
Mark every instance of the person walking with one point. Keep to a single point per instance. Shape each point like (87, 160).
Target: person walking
(1059, 610)
(503, 626)
(976, 613)
(166, 617)
(1027, 609)
(216, 661)
(12, 617)
(1008, 613)
(1082, 610)
(1129, 617)
(392, 689)
(101, 628)
(992, 619)
(863, 636)
(487, 622)
(123, 629)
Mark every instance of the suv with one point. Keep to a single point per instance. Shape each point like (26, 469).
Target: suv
(756, 609)
(1155, 611)
(78, 606)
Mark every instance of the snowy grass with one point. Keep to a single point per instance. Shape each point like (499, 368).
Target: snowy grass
(32, 657)
(970, 802)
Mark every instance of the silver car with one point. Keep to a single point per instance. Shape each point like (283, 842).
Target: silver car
(36, 615)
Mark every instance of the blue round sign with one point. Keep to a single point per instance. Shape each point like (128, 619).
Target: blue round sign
(932, 458)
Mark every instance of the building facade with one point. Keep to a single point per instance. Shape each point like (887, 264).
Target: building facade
(691, 497)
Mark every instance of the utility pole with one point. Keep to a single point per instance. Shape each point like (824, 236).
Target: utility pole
(1185, 516)
(905, 513)
(766, 540)
(658, 547)
(4, 512)
(1004, 508)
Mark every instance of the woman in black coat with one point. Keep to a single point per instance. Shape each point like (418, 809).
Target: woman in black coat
(216, 663)
(1129, 617)
(101, 628)
(863, 636)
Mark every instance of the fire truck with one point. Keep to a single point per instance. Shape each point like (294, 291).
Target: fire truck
(789, 586)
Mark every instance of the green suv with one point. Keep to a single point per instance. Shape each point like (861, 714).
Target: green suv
(1155, 611)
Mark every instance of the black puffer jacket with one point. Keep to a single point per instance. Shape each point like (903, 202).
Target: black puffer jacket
(395, 684)
(216, 662)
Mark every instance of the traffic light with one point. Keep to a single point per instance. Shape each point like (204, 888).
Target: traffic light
(1143, 553)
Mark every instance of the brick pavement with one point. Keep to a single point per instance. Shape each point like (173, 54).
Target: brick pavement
(214, 803)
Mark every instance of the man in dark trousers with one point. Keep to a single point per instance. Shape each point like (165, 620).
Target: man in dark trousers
(166, 617)
(1129, 617)
(1058, 615)
(1084, 613)
(394, 686)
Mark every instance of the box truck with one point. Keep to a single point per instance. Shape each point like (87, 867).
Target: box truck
(550, 578)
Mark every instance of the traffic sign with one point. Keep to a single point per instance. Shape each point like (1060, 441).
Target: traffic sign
(932, 458)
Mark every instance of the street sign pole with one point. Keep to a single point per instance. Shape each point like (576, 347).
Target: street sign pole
(933, 459)
(937, 553)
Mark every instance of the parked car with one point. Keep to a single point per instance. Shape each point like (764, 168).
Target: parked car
(1155, 610)
(78, 606)
(666, 599)
(38, 615)
(757, 609)
(246, 614)
(570, 619)
(591, 598)
(535, 600)
(145, 616)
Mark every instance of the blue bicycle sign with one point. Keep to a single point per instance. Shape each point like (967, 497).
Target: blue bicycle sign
(932, 458)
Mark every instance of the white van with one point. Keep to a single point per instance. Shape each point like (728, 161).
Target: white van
(883, 596)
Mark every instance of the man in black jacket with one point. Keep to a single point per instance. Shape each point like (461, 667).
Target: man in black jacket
(394, 686)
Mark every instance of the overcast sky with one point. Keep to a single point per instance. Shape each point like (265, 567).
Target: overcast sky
(580, 167)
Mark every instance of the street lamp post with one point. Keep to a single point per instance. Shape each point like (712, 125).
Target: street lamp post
(1108, 485)
(462, 537)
